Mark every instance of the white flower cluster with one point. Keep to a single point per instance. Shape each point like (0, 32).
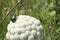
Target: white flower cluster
(25, 28)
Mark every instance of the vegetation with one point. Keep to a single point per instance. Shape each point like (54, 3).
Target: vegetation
(45, 10)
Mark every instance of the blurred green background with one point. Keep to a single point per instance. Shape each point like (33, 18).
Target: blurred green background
(47, 11)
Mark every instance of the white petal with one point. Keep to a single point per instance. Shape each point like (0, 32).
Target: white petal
(33, 27)
(22, 36)
(37, 22)
(31, 37)
(38, 34)
(22, 30)
(8, 35)
(39, 28)
(28, 28)
(16, 37)
(27, 33)
(33, 32)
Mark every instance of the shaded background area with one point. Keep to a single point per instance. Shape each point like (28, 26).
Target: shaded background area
(47, 11)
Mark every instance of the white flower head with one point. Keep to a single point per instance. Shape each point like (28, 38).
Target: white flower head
(24, 28)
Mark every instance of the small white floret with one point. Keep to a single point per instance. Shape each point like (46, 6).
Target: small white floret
(8, 35)
(22, 36)
(31, 37)
(16, 37)
(37, 22)
(39, 28)
(22, 30)
(27, 33)
(33, 32)
(28, 28)
(38, 34)
(33, 27)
